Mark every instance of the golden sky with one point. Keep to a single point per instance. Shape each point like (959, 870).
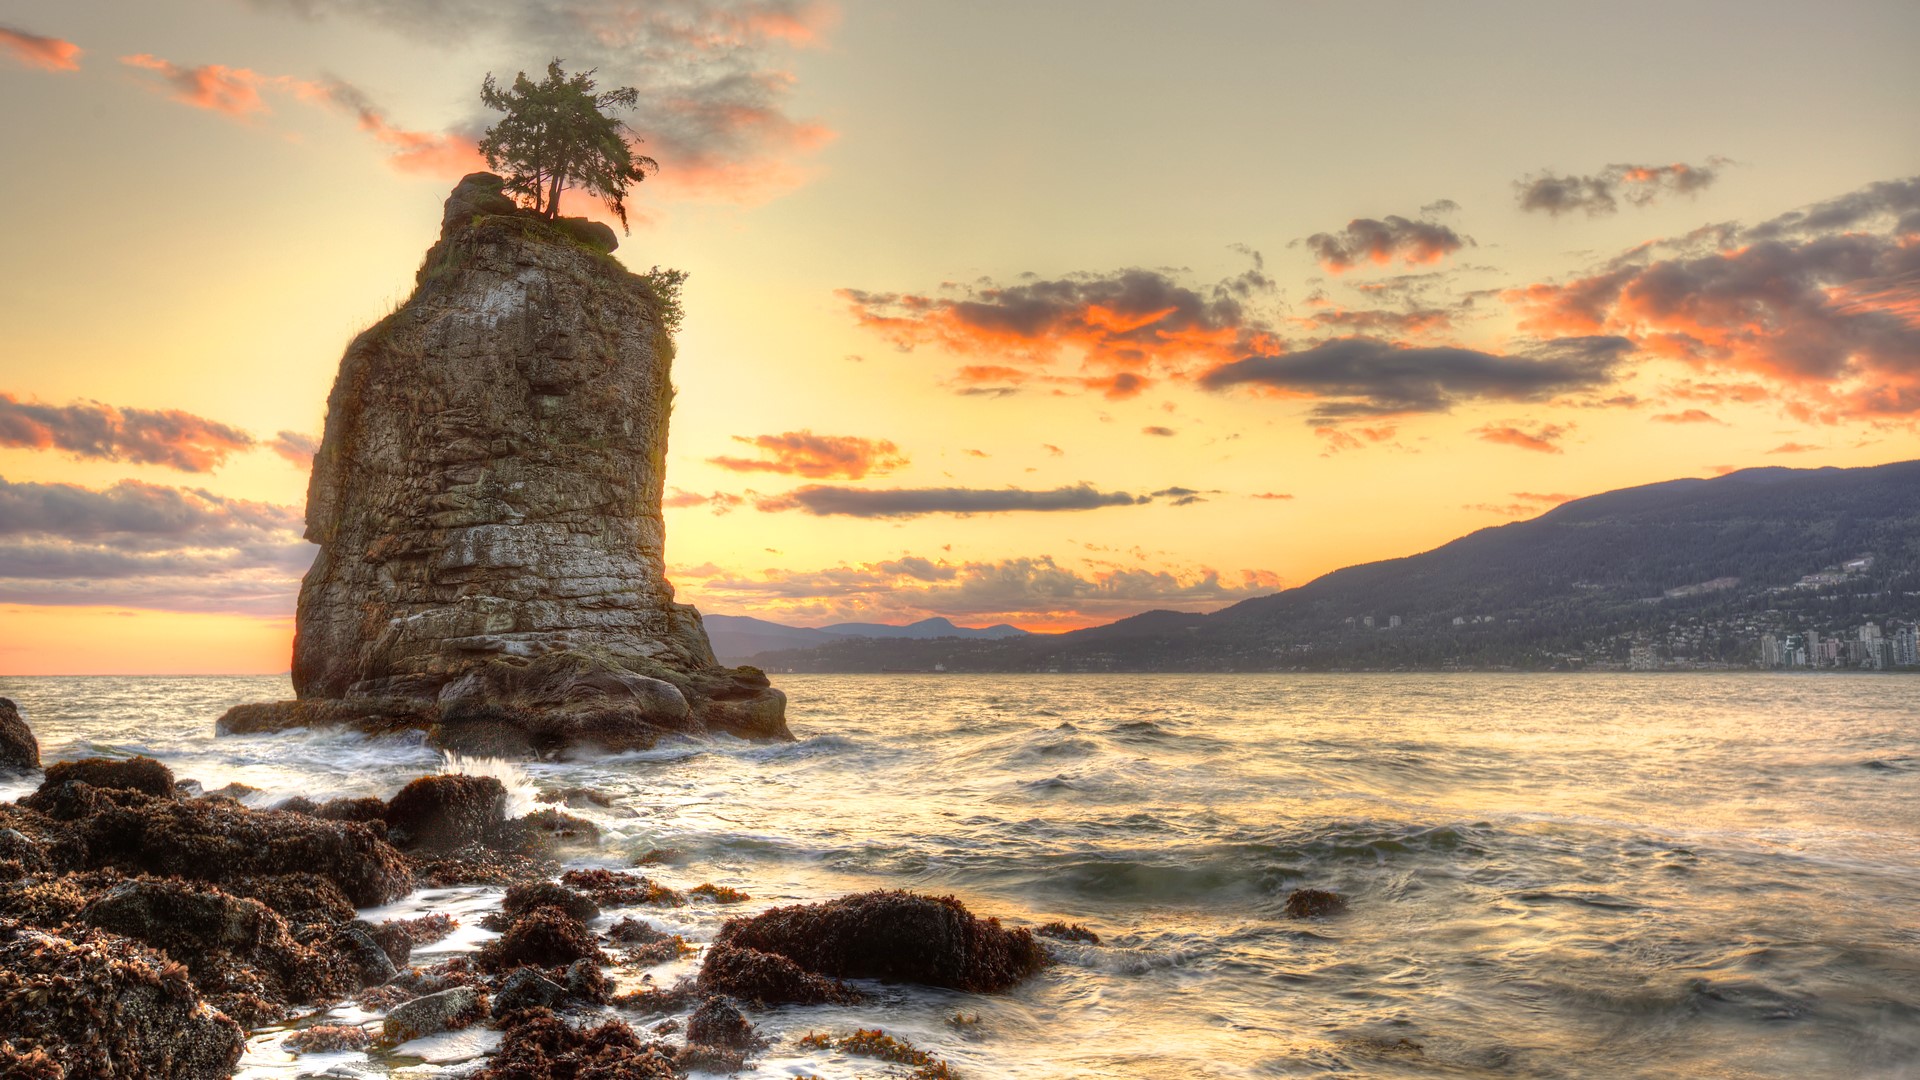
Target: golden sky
(1034, 313)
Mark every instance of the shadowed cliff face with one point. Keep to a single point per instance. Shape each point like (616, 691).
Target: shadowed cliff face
(488, 491)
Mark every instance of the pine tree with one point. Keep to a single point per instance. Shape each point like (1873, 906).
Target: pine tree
(557, 135)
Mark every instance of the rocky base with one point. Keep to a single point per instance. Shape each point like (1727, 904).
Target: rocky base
(513, 708)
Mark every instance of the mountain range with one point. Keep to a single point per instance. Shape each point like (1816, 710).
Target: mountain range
(1694, 569)
(737, 637)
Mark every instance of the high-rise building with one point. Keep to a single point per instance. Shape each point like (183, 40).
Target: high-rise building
(1906, 646)
(1393, 622)
(1770, 654)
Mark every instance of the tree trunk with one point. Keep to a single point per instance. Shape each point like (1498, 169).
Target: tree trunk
(553, 199)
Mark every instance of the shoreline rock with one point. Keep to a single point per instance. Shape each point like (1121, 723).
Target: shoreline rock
(19, 750)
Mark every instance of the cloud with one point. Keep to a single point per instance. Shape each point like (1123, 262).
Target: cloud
(442, 154)
(1600, 193)
(46, 53)
(1541, 438)
(823, 500)
(715, 100)
(1794, 448)
(1159, 430)
(1038, 592)
(1359, 376)
(1689, 416)
(233, 92)
(720, 502)
(89, 429)
(1338, 439)
(298, 449)
(1823, 304)
(1124, 327)
(1370, 322)
(1272, 495)
(1366, 240)
(802, 453)
(149, 546)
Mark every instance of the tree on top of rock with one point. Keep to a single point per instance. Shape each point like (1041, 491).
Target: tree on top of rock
(557, 135)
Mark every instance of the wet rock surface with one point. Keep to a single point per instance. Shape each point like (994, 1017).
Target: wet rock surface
(487, 503)
(19, 750)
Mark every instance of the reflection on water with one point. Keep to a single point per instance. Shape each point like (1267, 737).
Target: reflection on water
(1550, 875)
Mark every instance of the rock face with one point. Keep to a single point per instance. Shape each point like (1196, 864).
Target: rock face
(487, 504)
(19, 750)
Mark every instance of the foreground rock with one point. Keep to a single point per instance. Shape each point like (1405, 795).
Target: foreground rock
(99, 1006)
(141, 930)
(798, 953)
(487, 504)
(19, 750)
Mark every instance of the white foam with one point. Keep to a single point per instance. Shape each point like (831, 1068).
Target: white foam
(520, 789)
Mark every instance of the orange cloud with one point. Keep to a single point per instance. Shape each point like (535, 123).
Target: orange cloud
(46, 53)
(1793, 448)
(1272, 495)
(448, 155)
(1124, 326)
(91, 430)
(232, 91)
(802, 453)
(1823, 304)
(1541, 439)
(1690, 416)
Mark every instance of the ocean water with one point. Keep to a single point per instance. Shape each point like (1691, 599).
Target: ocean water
(1582, 875)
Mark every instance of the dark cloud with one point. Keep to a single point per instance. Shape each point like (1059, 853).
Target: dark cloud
(88, 429)
(1830, 319)
(714, 97)
(1158, 429)
(1600, 193)
(824, 500)
(1031, 590)
(143, 545)
(1357, 376)
(1366, 240)
(298, 449)
(802, 453)
(1124, 327)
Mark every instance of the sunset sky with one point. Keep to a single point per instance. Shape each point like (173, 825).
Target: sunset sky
(1009, 312)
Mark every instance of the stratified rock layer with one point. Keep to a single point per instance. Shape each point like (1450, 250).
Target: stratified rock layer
(487, 504)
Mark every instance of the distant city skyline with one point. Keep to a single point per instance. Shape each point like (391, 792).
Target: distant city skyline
(1044, 315)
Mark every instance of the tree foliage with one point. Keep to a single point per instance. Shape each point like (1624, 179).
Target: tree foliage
(557, 134)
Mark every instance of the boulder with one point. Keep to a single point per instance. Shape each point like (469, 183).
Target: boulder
(1314, 903)
(449, 1010)
(526, 988)
(102, 1006)
(476, 194)
(19, 750)
(893, 935)
(521, 899)
(446, 812)
(768, 978)
(592, 233)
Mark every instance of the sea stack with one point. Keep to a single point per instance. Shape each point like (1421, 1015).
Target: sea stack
(487, 504)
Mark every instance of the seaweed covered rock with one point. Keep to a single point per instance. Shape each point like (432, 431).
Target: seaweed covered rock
(142, 774)
(521, 899)
(102, 1007)
(212, 840)
(542, 937)
(19, 750)
(769, 978)
(539, 1045)
(446, 812)
(1314, 904)
(717, 1023)
(893, 935)
(486, 498)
